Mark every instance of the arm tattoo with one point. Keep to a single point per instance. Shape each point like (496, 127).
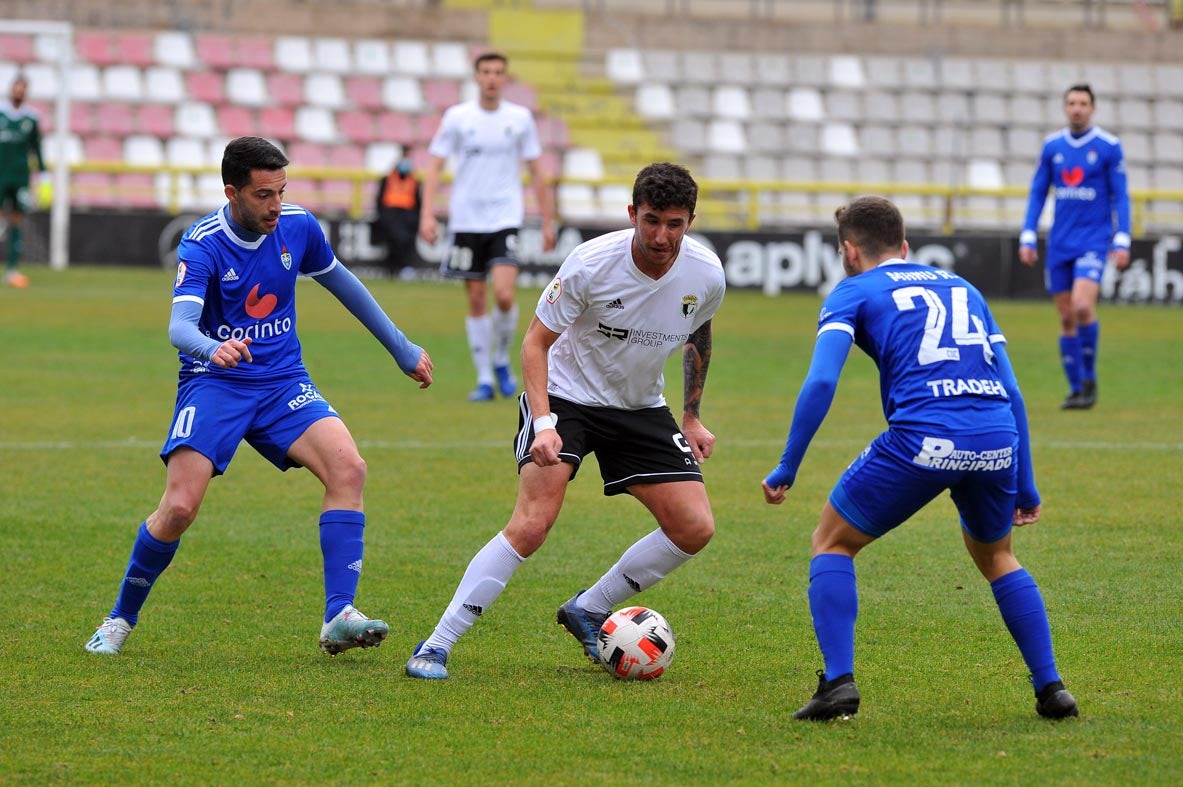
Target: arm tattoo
(696, 358)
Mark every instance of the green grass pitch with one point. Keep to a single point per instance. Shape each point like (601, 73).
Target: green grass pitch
(223, 682)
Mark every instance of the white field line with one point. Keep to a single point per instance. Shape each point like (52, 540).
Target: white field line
(419, 445)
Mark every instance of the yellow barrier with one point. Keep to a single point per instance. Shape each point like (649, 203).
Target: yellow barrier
(723, 204)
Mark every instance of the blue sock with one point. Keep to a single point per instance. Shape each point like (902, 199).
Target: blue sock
(149, 557)
(1088, 334)
(341, 545)
(1070, 357)
(833, 601)
(1025, 616)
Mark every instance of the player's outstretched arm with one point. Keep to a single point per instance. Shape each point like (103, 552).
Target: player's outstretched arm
(1028, 498)
(817, 393)
(410, 357)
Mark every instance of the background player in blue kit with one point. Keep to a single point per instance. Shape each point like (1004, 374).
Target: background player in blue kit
(1084, 167)
(242, 377)
(956, 421)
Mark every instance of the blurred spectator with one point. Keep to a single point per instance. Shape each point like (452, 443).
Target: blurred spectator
(397, 206)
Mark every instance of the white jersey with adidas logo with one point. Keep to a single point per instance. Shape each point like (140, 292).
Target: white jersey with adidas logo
(618, 326)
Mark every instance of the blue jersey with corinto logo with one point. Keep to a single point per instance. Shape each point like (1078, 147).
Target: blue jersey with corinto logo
(246, 285)
(932, 336)
(1088, 181)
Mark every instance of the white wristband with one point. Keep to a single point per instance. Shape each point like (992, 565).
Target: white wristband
(544, 422)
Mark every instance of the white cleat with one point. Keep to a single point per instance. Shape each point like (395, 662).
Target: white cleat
(108, 638)
(351, 629)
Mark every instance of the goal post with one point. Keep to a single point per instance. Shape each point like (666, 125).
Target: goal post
(57, 40)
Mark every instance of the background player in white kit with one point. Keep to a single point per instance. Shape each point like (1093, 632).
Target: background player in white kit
(592, 363)
(488, 138)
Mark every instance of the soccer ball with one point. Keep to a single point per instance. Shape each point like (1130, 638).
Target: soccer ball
(636, 643)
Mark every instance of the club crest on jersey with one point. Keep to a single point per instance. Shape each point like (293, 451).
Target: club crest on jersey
(689, 305)
(1091, 156)
(554, 291)
(285, 258)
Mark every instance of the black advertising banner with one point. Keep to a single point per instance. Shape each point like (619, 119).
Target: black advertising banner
(773, 262)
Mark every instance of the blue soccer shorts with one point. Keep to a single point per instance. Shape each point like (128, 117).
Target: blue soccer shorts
(1059, 273)
(213, 415)
(900, 472)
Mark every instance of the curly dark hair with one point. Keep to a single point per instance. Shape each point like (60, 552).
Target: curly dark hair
(245, 154)
(872, 223)
(664, 186)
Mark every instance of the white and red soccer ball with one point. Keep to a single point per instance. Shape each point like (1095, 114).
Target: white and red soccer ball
(636, 643)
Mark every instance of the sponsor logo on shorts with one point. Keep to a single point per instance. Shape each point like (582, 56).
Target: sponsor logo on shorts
(941, 453)
(308, 393)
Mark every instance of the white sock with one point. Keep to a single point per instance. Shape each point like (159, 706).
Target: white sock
(642, 566)
(480, 331)
(486, 576)
(505, 324)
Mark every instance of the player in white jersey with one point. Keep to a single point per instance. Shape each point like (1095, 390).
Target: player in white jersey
(242, 377)
(487, 139)
(592, 363)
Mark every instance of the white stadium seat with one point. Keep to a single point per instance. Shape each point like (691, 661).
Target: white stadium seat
(624, 66)
(174, 48)
(293, 53)
(372, 56)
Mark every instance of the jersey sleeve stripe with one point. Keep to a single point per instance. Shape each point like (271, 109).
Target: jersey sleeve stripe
(836, 326)
(190, 299)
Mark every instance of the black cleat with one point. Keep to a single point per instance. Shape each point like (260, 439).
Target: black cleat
(834, 699)
(1084, 399)
(1054, 702)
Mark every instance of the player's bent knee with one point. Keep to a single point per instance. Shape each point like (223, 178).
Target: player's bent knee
(692, 537)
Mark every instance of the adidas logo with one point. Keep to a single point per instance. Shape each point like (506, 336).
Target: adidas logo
(230, 276)
(139, 582)
(475, 609)
(616, 304)
(355, 566)
(632, 583)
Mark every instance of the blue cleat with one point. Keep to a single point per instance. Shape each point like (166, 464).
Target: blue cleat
(483, 393)
(428, 663)
(584, 626)
(506, 384)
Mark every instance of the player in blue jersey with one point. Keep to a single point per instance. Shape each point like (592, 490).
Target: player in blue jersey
(242, 378)
(956, 422)
(1083, 166)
